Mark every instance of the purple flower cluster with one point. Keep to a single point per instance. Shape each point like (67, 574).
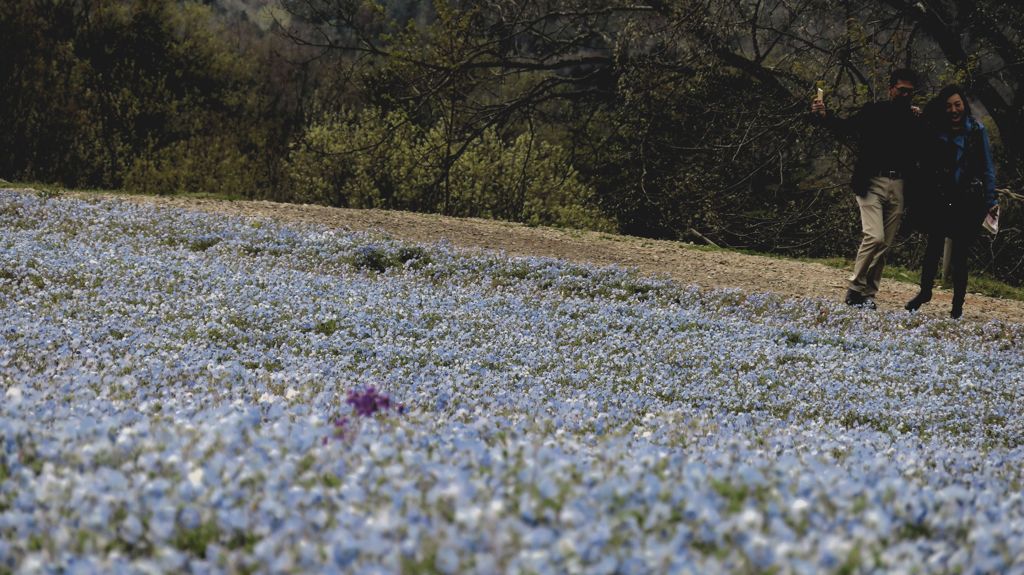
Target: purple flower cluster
(366, 402)
(369, 401)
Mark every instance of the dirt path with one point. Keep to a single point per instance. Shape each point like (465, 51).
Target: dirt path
(684, 263)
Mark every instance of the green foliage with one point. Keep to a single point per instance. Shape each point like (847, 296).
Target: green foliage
(212, 165)
(204, 243)
(358, 160)
(148, 94)
(328, 327)
(195, 541)
(381, 258)
(373, 159)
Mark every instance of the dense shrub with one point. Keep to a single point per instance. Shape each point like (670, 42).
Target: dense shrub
(373, 159)
(212, 165)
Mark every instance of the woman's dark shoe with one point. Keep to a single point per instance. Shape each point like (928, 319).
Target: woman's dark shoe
(922, 297)
(958, 305)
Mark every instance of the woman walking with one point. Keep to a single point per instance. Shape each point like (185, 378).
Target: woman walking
(963, 191)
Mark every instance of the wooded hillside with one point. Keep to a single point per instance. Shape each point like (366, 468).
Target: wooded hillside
(673, 119)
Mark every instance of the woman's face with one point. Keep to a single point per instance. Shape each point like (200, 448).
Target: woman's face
(955, 110)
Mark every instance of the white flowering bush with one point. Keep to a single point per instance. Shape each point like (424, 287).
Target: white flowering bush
(181, 392)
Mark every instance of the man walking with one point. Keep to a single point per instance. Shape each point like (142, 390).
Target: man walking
(890, 139)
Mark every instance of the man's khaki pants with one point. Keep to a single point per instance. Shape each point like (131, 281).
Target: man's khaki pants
(880, 213)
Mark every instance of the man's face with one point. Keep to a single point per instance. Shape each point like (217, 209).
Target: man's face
(955, 109)
(902, 92)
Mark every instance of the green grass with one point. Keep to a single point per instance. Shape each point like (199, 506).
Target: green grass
(976, 283)
(992, 287)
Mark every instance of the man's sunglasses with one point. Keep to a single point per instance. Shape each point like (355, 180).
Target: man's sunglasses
(905, 91)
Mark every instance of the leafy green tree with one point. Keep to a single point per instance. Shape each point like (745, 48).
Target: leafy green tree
(41, 75)
(144, 93)
(373, 159)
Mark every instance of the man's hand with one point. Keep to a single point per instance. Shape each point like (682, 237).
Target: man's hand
(916, 110)
(818, 107)
(994, 210)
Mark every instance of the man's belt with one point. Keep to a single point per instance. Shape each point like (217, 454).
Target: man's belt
(891, 174)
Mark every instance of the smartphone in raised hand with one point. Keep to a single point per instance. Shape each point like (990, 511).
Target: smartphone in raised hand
(818, 102)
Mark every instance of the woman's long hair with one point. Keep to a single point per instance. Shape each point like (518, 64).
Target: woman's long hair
(935, 110)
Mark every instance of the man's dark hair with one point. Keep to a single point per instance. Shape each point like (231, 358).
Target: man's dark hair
(905, 74)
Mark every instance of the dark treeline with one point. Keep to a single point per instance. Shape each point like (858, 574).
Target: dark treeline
(677, 119)
(152, 95)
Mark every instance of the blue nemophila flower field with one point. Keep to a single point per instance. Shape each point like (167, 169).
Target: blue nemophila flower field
(186, 392)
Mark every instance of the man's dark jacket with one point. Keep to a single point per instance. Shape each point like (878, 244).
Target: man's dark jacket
(888, 137)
